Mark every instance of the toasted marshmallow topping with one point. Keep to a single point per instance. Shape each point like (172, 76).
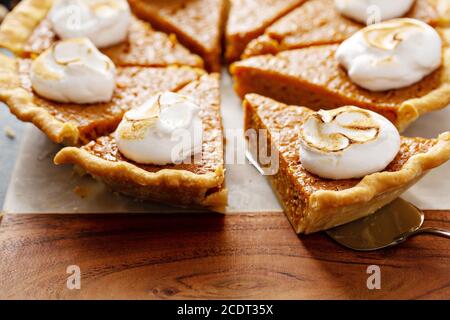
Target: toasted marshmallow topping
(391, 55)
(347, 142)
(73, 71)
(104, 22)
(165, 129)
(370, 11)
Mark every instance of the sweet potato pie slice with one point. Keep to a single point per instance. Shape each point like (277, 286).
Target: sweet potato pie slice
(318, 22)
(27, 32)
(312, 203)
(200, 182)
(313, 77)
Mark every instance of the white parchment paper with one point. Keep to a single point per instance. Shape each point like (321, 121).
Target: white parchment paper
(38, 186)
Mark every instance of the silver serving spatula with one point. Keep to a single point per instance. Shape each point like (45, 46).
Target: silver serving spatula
(389, 226)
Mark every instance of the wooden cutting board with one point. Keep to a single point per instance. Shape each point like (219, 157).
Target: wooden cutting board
(208, 256)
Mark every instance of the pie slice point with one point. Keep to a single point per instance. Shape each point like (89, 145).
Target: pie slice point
(312, 203)
(197, 24)
(248, 19)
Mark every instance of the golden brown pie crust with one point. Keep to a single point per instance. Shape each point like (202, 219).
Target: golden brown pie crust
(312, 77)
(312, 203)
(200, 183)
(74, 124)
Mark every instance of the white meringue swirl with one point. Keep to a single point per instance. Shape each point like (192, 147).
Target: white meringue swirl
(73, 71)
(165, 129)
(347, 143)
(391, 55)
(104, 22)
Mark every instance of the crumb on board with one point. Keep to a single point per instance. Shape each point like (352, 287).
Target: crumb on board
(82, 192)
(10, 133)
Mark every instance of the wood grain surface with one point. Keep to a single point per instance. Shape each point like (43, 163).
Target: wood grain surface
(208, 256)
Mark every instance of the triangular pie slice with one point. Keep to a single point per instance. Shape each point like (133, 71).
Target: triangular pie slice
(312, 77)
(27, 32)
(74, 124)
(318, 22)
(312, 203)
(197, 184)
(248, 19)
(197, 24)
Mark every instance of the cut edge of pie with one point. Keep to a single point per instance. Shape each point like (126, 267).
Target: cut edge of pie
(245, 72)
(325, 209)
(203, 185)
(20, 23)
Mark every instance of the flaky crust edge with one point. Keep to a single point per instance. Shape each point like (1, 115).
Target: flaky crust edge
(326, 204)
(20, 23)
(20, 103)
(177, 179)
(437, 99)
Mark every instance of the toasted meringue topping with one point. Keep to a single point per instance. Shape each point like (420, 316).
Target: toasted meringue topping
(391, 55)
(370, 11)
(165, 129)
(73, 71)
(104, 22)
(331, 131)
(388, 35)
(347, 142)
